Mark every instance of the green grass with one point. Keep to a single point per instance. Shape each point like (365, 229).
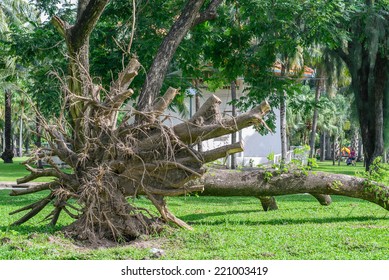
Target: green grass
(11, 172)
(14, 171)
(327, 166)
(224, 228)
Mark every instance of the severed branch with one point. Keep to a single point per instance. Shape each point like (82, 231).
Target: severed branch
(126, 76)
(161, 103)
(209, 112)
(190, 133)
(222, 152)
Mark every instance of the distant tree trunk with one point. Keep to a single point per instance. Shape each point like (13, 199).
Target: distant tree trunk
(38, 143)
(340, 150)
(314, 118)
(323, 145)
(27, 144)
(328, 154)
(283, 126)
(21, 137)
(334, 149)
(233, 135)
(360, 150)
(197, 97)
(8, 154)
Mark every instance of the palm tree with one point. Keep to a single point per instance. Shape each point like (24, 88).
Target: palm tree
(13, 16)
(6, 73)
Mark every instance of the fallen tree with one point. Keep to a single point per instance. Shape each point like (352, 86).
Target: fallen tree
(141, 155)
(262, 184)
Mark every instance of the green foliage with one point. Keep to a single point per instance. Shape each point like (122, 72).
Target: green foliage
(335, 185)
(270, 156)
(267, 176)
(378, 173)
(312, 163)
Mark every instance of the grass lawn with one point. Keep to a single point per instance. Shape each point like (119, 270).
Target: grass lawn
(327, 166)
(11, 172)
(224, 228)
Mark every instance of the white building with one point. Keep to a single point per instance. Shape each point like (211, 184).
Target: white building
(256, 147)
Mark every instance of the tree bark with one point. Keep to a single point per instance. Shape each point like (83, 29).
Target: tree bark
(368, 64)
(197, 98)
(323, 145)
(314, 118)
(328, 154)
(8, 154)
(257, 184)
(233, 135)
(284, 148)
(360, 150)
(190, 16)
(334, 148)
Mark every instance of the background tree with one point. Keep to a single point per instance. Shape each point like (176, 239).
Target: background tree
(14, 17)
(357, 31)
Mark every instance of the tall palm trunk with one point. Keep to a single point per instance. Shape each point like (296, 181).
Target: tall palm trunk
(8, 151)
(284, 71)
(314, 119)
(283, 127)
(233, 135)
(38, 143)
(323, 145)
(328, 154)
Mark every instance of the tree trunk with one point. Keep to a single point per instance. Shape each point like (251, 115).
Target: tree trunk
(314, 119)
(190, 16)
(233, 135)
(38, 143)
(340, 150)
(283, 127)
(328, 154)
(368, 64)
(27, 144)
(334, 148)
(8, 154)
(323, 145)
(360, 150)
(21, 137)
(256, 183)
(199, 145)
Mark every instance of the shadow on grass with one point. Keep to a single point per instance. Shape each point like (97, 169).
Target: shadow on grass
(195, 219)
(28, 229)
(23, 200)
(345, 172)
